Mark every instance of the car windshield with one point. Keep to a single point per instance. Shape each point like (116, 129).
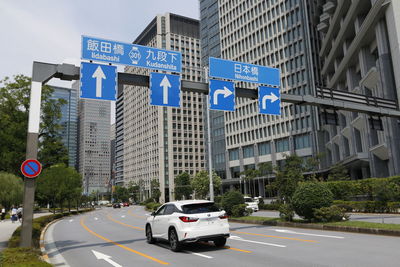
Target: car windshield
(248, 199)
(199, 208)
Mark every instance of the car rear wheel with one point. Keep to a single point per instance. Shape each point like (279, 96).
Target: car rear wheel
(149, 235)
(174, 241)
(220, 242)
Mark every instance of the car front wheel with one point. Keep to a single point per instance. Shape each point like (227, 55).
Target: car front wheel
(149, 235)
(220, 242)
(174, 241)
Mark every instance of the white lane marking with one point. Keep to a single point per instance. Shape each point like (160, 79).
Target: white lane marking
(256, 242)
(71, 220)
(298, 233)
(101, 256)
(198, 254)
(186, 251)
(95, 218)
(123, 216)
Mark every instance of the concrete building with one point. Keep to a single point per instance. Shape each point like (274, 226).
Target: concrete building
(94, 144)
(281, 34)
(155, 142)
(69, 121)
(360, 54)
(210, 47)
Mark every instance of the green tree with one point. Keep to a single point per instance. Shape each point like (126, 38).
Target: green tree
(338, 173)
(121, 194)
(11, 190)
(183, 189)
(57, 184)
(249, 176)
(133, 189)
(231, 199)
(155, 190)
(201, 184)
(14, 109)
(288, 177)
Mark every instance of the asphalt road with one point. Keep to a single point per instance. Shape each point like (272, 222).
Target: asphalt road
(118, 234)
(376, 218)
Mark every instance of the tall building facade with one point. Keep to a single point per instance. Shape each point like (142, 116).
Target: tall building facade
(69, 121)
(360, 54)
(280, 34)
(210, 47)
(94, 144)
(162, 142)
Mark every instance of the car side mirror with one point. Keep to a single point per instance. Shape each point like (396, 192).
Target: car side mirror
(153, 213)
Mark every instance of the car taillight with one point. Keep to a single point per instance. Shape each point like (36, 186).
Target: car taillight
(188, 219)
(223, 216)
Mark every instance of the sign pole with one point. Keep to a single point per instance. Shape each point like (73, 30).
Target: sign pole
(31, 153)
(209, 139)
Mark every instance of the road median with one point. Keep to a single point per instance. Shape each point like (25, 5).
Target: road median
(345, 226)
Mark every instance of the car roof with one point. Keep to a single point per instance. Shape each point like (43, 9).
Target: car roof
(181, 203)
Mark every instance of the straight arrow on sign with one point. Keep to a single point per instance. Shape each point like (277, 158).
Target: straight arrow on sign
(165, 84)
(99, 76)
(101, 256)
(226, 92)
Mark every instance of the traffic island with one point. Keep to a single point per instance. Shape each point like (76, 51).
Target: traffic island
(344, 226)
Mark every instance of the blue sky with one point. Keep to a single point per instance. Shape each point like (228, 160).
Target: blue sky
(50, 30)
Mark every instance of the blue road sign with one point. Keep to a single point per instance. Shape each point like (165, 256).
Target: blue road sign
(130, 54)
(98, 81)
(222, 95)
(165, 89)
(269, 100)
(233, 70)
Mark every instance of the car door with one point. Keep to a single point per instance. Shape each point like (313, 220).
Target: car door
(166, 221)
(157, 221)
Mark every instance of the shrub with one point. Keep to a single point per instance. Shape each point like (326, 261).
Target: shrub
(240, 210)
(286, 212)
(231, 199)
(310, 196)
(152, 206)
(330, 214)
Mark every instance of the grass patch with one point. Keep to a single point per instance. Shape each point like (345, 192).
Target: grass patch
(386, 226)
(22, 257)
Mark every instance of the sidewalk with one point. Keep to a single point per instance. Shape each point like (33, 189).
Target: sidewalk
(7, 228)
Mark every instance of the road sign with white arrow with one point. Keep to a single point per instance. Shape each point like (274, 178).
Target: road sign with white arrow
(222, 95)
(269, 100)
(98, 81)
(165, 89)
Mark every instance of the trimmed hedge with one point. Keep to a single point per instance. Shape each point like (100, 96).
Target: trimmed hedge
(371, 188)
(368, 206)
(152, 206)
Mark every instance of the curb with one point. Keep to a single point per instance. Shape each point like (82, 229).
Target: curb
(44, 256)
(360, 230)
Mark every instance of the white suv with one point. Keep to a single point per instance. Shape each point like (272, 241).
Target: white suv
(251, 203)
(188, 221)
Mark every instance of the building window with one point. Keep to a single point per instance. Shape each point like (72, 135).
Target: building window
(248, 151)
(235, 172)
(282, 145)
(264, 148)
(302, 141)
(234, 154)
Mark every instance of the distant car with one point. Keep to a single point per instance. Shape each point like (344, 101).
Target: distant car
(188, 221)
(109, 205)
(116, 205)
(126, 204)
(251, 203)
